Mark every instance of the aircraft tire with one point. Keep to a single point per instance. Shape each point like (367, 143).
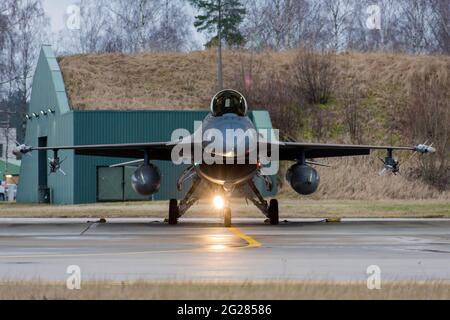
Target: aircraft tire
(273, 212)
(173, 212)
(227, 217)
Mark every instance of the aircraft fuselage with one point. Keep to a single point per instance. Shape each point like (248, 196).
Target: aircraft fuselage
(232, 149)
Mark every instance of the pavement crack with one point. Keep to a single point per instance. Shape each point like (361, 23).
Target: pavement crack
(91, 223)
(88, 227)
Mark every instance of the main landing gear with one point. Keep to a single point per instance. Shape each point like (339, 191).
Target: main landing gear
(272, 212)
(269, 209)
(177, 210)
(174, 212)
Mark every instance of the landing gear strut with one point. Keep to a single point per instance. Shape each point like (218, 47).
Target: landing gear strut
(227, 217)
(270, 210)
(177, 210)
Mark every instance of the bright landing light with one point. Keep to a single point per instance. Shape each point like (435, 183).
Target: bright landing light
(219, 203)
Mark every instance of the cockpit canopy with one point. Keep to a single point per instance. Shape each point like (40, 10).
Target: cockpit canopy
(228, 101)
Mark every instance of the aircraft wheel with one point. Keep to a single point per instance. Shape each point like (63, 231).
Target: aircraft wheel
(173, 212)
(273, 212)
(227, 217)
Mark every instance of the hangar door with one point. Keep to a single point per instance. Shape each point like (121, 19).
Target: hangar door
(114, 184)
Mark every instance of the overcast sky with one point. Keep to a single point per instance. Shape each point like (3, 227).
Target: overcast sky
(56, 11)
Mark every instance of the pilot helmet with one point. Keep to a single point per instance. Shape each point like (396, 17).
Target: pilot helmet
(228, 101)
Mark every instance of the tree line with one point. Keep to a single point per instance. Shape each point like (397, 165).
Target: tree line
(411, 26)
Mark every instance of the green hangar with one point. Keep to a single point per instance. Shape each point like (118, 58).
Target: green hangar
(52, 121)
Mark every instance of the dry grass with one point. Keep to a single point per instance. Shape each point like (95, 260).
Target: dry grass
(358, 179)
(289, 208)
(226, 290)
(187, 80)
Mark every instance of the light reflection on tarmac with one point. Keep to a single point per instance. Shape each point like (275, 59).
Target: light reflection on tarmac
(130, 249)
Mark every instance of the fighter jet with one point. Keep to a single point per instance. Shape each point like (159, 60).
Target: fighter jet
(225, 156)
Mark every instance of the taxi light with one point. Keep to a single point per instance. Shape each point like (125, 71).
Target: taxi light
(219, 203)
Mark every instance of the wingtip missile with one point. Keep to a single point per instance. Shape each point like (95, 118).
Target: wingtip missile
(423, 148)
(21, 149)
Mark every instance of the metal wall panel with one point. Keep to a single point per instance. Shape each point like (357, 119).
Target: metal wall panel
(92, 127)
(109, 186)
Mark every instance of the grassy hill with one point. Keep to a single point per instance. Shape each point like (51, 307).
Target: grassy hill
(374, 95)
(188, 80)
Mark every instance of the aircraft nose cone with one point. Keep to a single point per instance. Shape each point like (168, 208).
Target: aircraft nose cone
(231, 136)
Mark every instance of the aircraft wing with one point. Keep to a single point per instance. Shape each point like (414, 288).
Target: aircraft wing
(293, 150)
(156, 150)
(163, 150)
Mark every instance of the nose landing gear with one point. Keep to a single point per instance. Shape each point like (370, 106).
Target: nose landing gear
(227, 217)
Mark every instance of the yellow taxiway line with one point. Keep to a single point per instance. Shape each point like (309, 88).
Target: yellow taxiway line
(252, 243)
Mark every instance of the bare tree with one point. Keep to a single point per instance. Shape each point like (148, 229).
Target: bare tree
(97, 31)
(283, 17)
(173, 29)
(440, 24)
(406, 25)
(124, 26)
(338, 15)
(416, 26)
(270, 89)
(22, 31)
(315, 76)
(282, 24)
(95, 21)
(29, 36)
(390, 25)
(254, 26)
(136, 21)
(351, 97)
(427, 119)
(314, 83)
(415, 16)
(8, 21)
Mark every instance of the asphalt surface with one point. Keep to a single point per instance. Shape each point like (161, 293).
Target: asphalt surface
(200, 249)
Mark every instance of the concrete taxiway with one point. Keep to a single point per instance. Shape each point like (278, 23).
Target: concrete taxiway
(200, 249)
